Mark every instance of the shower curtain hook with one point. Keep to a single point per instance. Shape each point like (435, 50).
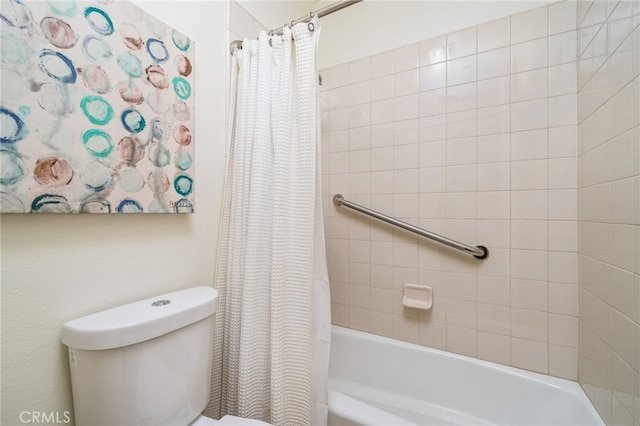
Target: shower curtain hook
(310, 25)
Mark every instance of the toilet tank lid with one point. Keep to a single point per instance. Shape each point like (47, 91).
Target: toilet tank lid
(140, 321)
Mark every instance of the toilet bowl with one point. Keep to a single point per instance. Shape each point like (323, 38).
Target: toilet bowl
(146, 363)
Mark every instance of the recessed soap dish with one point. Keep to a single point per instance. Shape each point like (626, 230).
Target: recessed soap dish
(417, 296)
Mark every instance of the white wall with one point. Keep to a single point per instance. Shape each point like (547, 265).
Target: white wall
(373, 26)
(274, 14)
(59, 267)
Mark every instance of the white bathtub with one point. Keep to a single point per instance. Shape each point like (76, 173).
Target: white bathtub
(374, 380)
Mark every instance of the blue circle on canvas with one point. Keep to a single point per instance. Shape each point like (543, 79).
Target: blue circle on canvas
(12, 128)
(57, 66)
(96, 50)
(129, 205)
(96, 176)
(183, 206)
(157, 50)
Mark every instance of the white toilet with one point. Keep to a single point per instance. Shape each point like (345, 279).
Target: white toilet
(146, 363)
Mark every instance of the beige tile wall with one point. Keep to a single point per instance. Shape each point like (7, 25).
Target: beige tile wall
(609, 206)
(472, 135)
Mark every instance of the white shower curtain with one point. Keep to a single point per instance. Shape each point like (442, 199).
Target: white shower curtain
(271, 269)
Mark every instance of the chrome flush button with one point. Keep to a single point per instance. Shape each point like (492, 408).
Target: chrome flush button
(161, 302)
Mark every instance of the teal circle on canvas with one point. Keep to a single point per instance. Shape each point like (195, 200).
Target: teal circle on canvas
(130, 64)
(96, 109)
(63, 8)
(50, 203)
(183, 160)
(181, 87)
(183, 185)
(99, 20)
(180, 40)
(97, 142)
(12, 166)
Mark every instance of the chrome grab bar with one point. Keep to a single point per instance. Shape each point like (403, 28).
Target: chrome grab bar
(479, 252)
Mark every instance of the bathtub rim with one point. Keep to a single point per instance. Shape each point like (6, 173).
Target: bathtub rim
(564, 385)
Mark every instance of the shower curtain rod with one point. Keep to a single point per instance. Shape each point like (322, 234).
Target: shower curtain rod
(479, 252)
(237, 44)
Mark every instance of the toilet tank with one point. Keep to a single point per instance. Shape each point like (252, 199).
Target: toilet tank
(145, 363)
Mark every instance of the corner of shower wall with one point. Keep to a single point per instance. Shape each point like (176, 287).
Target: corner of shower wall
(240, 24)
(608, 78)
(473, 135)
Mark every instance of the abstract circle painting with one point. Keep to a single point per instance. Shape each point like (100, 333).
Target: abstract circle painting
(96, 110)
